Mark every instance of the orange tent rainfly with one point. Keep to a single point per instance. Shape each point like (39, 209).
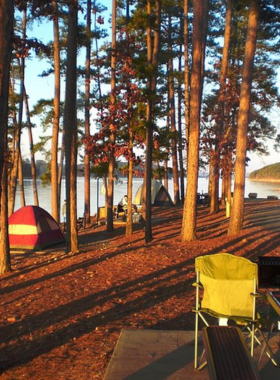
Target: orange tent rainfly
(31, 227)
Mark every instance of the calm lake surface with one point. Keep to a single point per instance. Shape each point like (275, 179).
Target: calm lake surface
(263, 189)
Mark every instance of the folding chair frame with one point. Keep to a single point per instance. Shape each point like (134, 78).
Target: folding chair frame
(251, 324)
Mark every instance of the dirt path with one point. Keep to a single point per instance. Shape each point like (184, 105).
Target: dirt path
(61, 315)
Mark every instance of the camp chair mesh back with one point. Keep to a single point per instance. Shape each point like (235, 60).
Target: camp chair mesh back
(225, 288)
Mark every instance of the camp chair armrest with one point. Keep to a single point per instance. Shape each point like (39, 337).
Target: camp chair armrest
(256, 295)
(197, 285)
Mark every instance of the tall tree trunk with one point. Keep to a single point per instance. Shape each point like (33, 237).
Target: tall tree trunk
(111, 167)
(147, 183)
(153, 46)
(214, 207)
(56, 117)
(166, 173)
(98, 70)
(129, 222)
(20, 182)
(32, 154)
(61, 167)
(237, 214)
(5, 259)
(180, 131)
(186, 74)
(12, 177)
(87, 115)
(171, 92)
(189, 214)
(14, 172)
(70, 126)
(6, 34)
(214, 173)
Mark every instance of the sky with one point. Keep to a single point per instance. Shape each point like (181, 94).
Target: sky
(38, 88)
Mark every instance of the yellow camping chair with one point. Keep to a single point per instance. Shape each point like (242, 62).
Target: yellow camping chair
(226, 288)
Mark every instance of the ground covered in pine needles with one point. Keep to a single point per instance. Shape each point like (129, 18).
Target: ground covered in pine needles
(61, 315)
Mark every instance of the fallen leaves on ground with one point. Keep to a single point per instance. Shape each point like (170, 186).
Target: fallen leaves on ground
(61, 315)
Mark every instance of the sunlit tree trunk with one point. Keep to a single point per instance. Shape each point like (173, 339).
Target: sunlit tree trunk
(87, 114)
(147, 183)
(237, 213)
(111, 167)
(153, 46)
(180, 129)
(5, 259)
(211, 174)
(20, 182)
(56, 116)
(166, 174)
(61, 166)
(14, 171)
(189, 213)
(129, 223)
(214, 207)
(227, 185)
(32, 154)
(20, 114)
(13, 144)
(186, 74)
(171, 92)
(6, 34)
(214, 180)
(70, 126)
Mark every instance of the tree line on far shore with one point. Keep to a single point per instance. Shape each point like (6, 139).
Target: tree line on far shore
(268, 172)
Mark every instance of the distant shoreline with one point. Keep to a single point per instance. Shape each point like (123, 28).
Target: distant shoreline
(263, 179)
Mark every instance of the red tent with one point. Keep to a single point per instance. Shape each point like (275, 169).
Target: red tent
(31, 227)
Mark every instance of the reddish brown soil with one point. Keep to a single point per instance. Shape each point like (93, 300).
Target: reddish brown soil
(61, 315)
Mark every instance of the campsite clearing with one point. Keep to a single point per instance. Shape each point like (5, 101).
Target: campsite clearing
(62, 314)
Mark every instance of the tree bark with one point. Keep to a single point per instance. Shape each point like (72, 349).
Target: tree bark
(70, 126)
(171, 95)
(214, 207)
(180, 130)
(189, 213)
(5, 259)
(129, 222)
(20, 182)
(237, 214)
(56, 117)
(32, 155)
(153, 46)
(111, 167)
(87, 114)
(16, 163)
(6, 34)
(186, 73)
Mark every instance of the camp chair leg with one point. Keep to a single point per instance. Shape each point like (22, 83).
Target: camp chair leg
(196, 341)
(253, 340)
(263, 343)
(202, 360)
(199, 363)
(265, 348)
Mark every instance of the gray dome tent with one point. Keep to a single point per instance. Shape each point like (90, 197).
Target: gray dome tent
(159, 196)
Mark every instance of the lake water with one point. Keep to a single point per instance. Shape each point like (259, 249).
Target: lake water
(263, 189)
